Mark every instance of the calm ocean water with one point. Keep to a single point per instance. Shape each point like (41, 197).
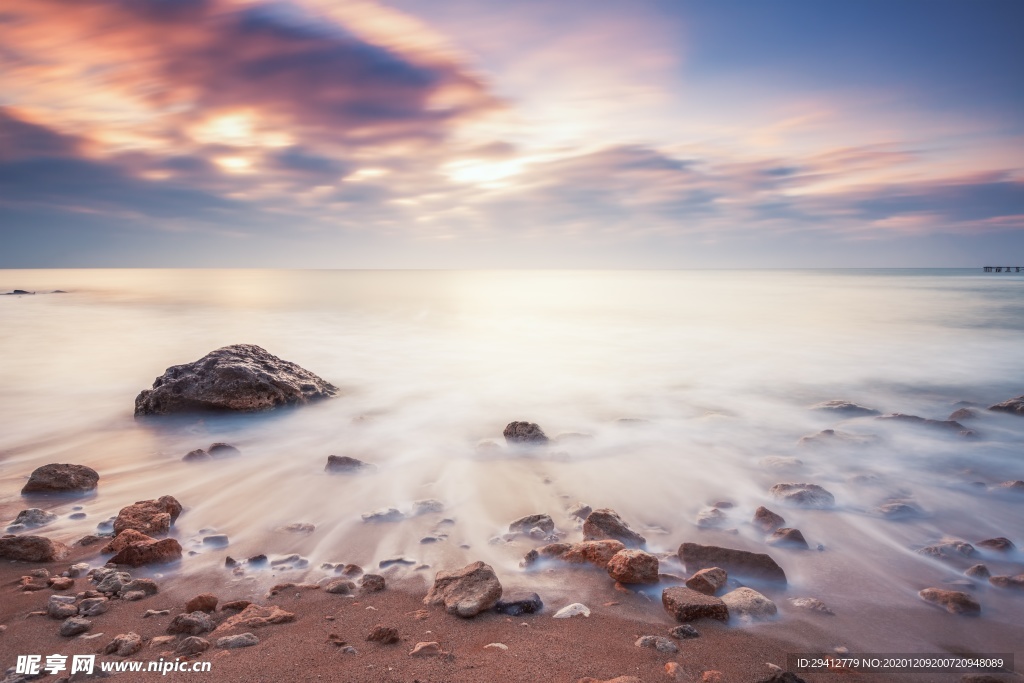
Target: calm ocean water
(682, 382)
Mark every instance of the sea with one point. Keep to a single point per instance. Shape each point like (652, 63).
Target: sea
(664, 393)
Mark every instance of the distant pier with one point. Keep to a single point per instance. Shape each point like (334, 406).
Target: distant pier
(1003, 269)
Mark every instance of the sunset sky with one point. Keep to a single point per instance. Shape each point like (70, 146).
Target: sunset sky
(512, 134)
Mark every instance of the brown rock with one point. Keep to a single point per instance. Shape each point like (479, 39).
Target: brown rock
(151, 517)
(1015, 582)
(633, 566)
(617, 679)
(1001, 544)
(467, 591)
(804, 495)
(788, 538)
(372, 583)
(192, 623)
(31, 549)
(524, 432)
(597, 553)
(685, 605)
(736, 562)
(235, 605)
(606, 524)
(978, 571)
(149, 552)
(949, 548)
(385, 635)
(766, 520)
(1014, 406)
(712, 676)
(340, 587)
(708, 581)
(192, 646)
(125, 539)
(204, 602)
(240, 378)
(61, 478)
(124, 645)
(950, 425)
(955, 602)
(523, 525)
(196, 455)
(963, 414)
(255, 616)
(844, 408)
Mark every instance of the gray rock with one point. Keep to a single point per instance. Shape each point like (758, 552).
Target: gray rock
(61, 607)
(524, 433)
(899, 510)
(193, 624)
(192, 646)
(216, 541)
(426, 506)
(711, 518)
(72, 626)
(132, 596)
(804, 495)
(659, 643)
(384, 515)
(240, 378)
(92, 607)
(112, 582)
(845, 408)
(747, 604)
(466, 592)
(683, 632)
(523, 525)
(32, 549)
(32, 518)
(340, 587)
(372, 583)
(811, 604)
(61, 478)
(240, 640)
(606, 524)
(124, 645)
(580, 511)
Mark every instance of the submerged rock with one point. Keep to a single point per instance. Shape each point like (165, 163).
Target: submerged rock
(597, 553)
(766, 520)
(711, 518)
(580, 511)
(1000, 544)
(748, 604)
(151, 517)
(32, 518)
(950, 425)
(633, 567)
(384, 515)
(467, 591)
(845, 408)
(955, 602)
(739, 562)
(963, 414)
(1014, 406)
(524, 432)
(686, 604)
(978, 571)
(346, 465)
(31, 549)
(523, 525)
(833, 437)
(899, 510)
(811, 604)
(606, 524)
(61, 478)
(788, 538)
(242, 377)
(949, 548)
(804, 495)
(1015, 582)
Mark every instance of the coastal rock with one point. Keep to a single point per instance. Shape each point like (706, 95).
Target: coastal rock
(948, 548)
(151, 517)
(383, 515)
(811, 604)
(204, 602)
(297, 528)
(240, 378)
(149, 552)
(191, 623)
(963, 414)
(659, 643)
(1014, 406)
(125, 539)
(955, 602)
(804, 495)
(343, 464)
(60, 583)
(61, 478)
(708, 581)
(747, 604)
(72, 626)
(1016, 486)
(833, 437)
(372, 583)
(32, 518)
(216, 541)
(778, 462)
(109, 580)
(340, 587)
(580, 511)
(385, 635)
(192, 646)
(683, 632)
(426, 506)
(256, 616)
(844, 408)
(237, 641)
(633, 566)
(711, 518)
(61, 607)
(766, 520)
(1000, 544)
(525, 433)
(523, 525)
(606, 524)
(518, 604)
(788, 538)
(950, 425)
(597, 553)
(467, 591)
(223, 450)
(31, 549)
(196, 455)
(1014, 582)
(978, 571)
(124, 645)
(426, 649)
(899, 510)
(686, 604)
(736, 562)
(574, 610)
(93, 607)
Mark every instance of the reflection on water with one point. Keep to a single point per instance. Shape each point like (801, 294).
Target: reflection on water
(715, 369)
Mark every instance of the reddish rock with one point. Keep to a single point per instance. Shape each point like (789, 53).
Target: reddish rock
(949, 548)
(31, 549)
(61, 478)
(633, 566)
(606, 524)
(597, 553)
(256, 616)
(1001, 544)
(736, 562)
(1015, 582)
(124, 645)
(149, 552)
(205, 602)
(955, 602)
(151, 517)
(708, 581)
(686, 604)
(1014, 406)
(125, 539)
(235, 605)
(844, 408)
(239, 378)
(788, 538)
(766, 520)
(467, 591)
(385, 635)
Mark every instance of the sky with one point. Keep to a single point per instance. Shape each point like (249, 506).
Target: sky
(526, 134)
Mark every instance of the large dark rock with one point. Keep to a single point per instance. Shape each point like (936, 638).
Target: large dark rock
(31, 549)
(686, 604)
(56, 478)
(605, 523)
(736, 562)
(148, 552)
(240, 378)
(845, 408)
(524, 432)
(1014, 406)
(151, 517)
(597, 553)
(466, 592)
(519, 603)
(345, 464)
